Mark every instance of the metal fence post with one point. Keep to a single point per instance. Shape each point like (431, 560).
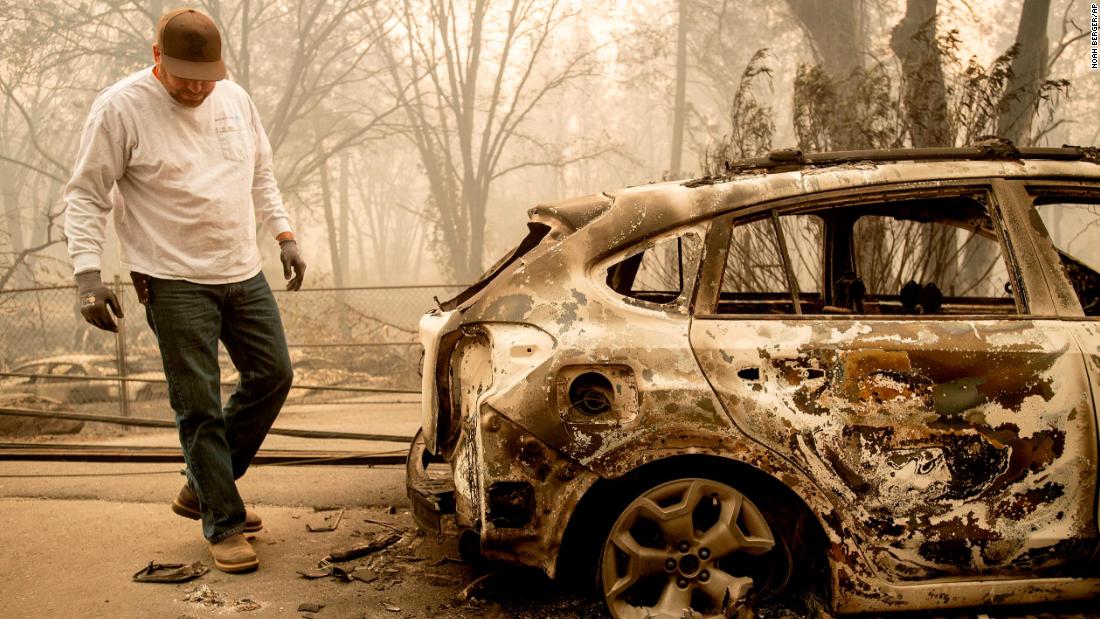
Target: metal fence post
(120, 350)
(41, 319)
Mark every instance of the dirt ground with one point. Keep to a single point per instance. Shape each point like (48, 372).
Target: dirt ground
(85, 567)
(74, 533)
(75, 558)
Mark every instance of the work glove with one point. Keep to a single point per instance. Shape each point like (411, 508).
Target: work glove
(291, 259)
(94, 299)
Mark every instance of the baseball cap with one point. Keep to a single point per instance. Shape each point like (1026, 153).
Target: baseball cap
(190, 45)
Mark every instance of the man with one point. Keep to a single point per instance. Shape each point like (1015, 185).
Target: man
(192, 168)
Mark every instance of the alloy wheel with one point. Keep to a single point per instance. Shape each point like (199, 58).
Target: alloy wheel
(677, 547)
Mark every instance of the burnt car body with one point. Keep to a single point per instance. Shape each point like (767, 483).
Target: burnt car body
(73, 379)
(870, 372)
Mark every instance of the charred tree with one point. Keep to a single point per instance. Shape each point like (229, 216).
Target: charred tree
(679, 110)
(924, 98)
(1029, 72)
(924, 92)
(836, 34)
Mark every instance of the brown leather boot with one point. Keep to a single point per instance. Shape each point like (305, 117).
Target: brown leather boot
(234, 554)
(187, 505)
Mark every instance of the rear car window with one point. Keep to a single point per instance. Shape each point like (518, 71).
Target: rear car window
(657, 272)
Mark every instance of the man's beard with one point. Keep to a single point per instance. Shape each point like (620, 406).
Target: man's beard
(182, 95)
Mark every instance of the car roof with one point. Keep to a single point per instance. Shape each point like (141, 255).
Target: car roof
(635, 213)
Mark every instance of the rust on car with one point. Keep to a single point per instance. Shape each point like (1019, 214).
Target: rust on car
(942, 460)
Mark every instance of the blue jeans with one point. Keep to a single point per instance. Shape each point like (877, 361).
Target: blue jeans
(219, 444)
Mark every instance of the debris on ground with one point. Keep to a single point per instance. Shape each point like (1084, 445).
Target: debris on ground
(441, 579)
(314, 574)
(245, 605)
(170, 572)
(310, 607)
(326, 569)
(469, 589)
(446, 559)
(364, 575)
(204, 596)
(329, 522)
(385, 524)
(378, 543)
(391, 607)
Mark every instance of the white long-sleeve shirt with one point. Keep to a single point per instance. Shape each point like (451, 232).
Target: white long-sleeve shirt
(192, 183)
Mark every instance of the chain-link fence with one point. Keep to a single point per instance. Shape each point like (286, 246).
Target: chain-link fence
(344, 344)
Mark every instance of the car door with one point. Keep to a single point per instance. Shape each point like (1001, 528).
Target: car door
(1066, 241)
(890, 347)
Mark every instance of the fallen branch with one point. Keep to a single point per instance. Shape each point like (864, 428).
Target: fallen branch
(362, 551)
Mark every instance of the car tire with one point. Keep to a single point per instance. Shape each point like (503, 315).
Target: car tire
(689, 543)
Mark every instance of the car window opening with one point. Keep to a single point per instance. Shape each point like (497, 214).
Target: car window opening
(656, 273)
(1073, 224)
(935, 256)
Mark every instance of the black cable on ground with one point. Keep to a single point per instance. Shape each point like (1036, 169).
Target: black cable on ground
(161, 423)
(302, 462)
(174, 471)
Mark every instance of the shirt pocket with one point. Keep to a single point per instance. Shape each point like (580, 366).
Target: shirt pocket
(231, 138)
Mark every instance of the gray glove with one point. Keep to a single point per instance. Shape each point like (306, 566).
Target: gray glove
(95, 298)
(291, 259)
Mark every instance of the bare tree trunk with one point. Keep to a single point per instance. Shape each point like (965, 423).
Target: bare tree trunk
(476, 203)
(679, 109)
(413, 270)
(1028, 73)
(10, 183)
(13, 222)
(361, 254)
(9, 190)
(345, 218)
(835, 28)
(914, 43)
(330, 226)
(41, 229)
(244, 58)
(836, 33)
(334, 253)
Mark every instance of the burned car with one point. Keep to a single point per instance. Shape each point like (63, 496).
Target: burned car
(870, 375)
(73, 379)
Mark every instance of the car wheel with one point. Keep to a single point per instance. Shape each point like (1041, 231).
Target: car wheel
(690, 543)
